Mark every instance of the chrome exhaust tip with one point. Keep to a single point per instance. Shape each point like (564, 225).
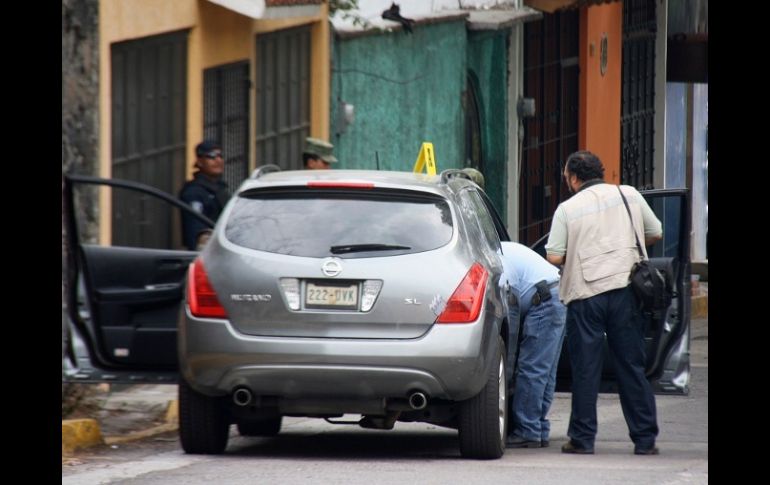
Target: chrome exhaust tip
(418, 400)
(242, 396)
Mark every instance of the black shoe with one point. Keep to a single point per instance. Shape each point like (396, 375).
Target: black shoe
(569, 447)
(514, 441)
(544, 443)
(653, 450)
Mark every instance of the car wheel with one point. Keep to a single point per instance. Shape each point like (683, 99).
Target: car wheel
(484, 417)
(260, 427)
(203, 422)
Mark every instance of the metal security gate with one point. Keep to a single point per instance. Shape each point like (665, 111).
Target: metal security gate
(551, 72)
(638, 99)
(149, 83)
(283, 97)
(226, 116)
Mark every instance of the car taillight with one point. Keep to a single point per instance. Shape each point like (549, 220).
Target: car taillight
(201, 296)
(464, 305)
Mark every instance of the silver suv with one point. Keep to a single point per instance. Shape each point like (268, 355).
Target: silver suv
(323, 293)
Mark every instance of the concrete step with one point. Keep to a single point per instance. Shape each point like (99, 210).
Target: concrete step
(700, 299)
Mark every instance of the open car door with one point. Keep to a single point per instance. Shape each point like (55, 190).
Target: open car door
(667, 339)
(123, 302)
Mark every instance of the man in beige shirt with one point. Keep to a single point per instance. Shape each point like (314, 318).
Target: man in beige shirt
(591, 236)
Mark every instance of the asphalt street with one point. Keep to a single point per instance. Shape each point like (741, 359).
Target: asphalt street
(313, 451)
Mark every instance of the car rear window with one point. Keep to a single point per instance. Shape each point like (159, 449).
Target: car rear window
(358, 223)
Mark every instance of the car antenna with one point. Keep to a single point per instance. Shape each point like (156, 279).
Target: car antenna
(377, 158)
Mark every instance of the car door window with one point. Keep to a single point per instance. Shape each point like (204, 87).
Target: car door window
(668, 210)
(468, 209)
(484, 220)
(502, 232)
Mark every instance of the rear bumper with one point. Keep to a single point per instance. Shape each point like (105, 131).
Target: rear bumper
(447, 362)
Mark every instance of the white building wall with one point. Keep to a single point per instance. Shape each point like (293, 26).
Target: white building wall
(676, 136)
(371, 10)
(700, 164)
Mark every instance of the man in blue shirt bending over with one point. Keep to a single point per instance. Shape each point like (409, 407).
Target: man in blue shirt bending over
(535, 282)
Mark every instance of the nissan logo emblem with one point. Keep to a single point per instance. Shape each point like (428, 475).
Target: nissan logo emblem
(331, 267)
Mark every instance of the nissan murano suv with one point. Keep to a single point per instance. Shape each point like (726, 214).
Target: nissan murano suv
(323, 293)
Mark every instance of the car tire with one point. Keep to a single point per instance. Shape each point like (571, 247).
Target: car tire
(260, 427)
(203, 422)
(483, 419)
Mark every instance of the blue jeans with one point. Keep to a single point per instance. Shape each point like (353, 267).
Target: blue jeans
(535, 380)
(614, 313)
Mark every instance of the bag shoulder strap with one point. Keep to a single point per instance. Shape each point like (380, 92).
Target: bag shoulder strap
(625, 202)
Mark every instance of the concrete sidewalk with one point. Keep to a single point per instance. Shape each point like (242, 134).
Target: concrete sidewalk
(121, 413)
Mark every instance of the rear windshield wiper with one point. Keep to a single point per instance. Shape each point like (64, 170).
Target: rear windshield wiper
(359, 248)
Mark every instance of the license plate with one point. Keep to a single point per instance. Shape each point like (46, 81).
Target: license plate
(331, 296)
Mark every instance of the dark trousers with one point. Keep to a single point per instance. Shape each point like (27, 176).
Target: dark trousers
(614, 313)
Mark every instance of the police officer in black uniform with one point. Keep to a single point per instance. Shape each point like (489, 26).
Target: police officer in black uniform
(207, 193)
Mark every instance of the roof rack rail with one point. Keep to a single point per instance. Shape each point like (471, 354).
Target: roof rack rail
(453, 172)
(264, 169)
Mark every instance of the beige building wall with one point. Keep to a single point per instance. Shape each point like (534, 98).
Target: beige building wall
(217, 36)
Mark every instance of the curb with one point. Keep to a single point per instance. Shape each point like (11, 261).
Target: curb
(138, 435)
(172, 412)
(83, 433)
(79, 433)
